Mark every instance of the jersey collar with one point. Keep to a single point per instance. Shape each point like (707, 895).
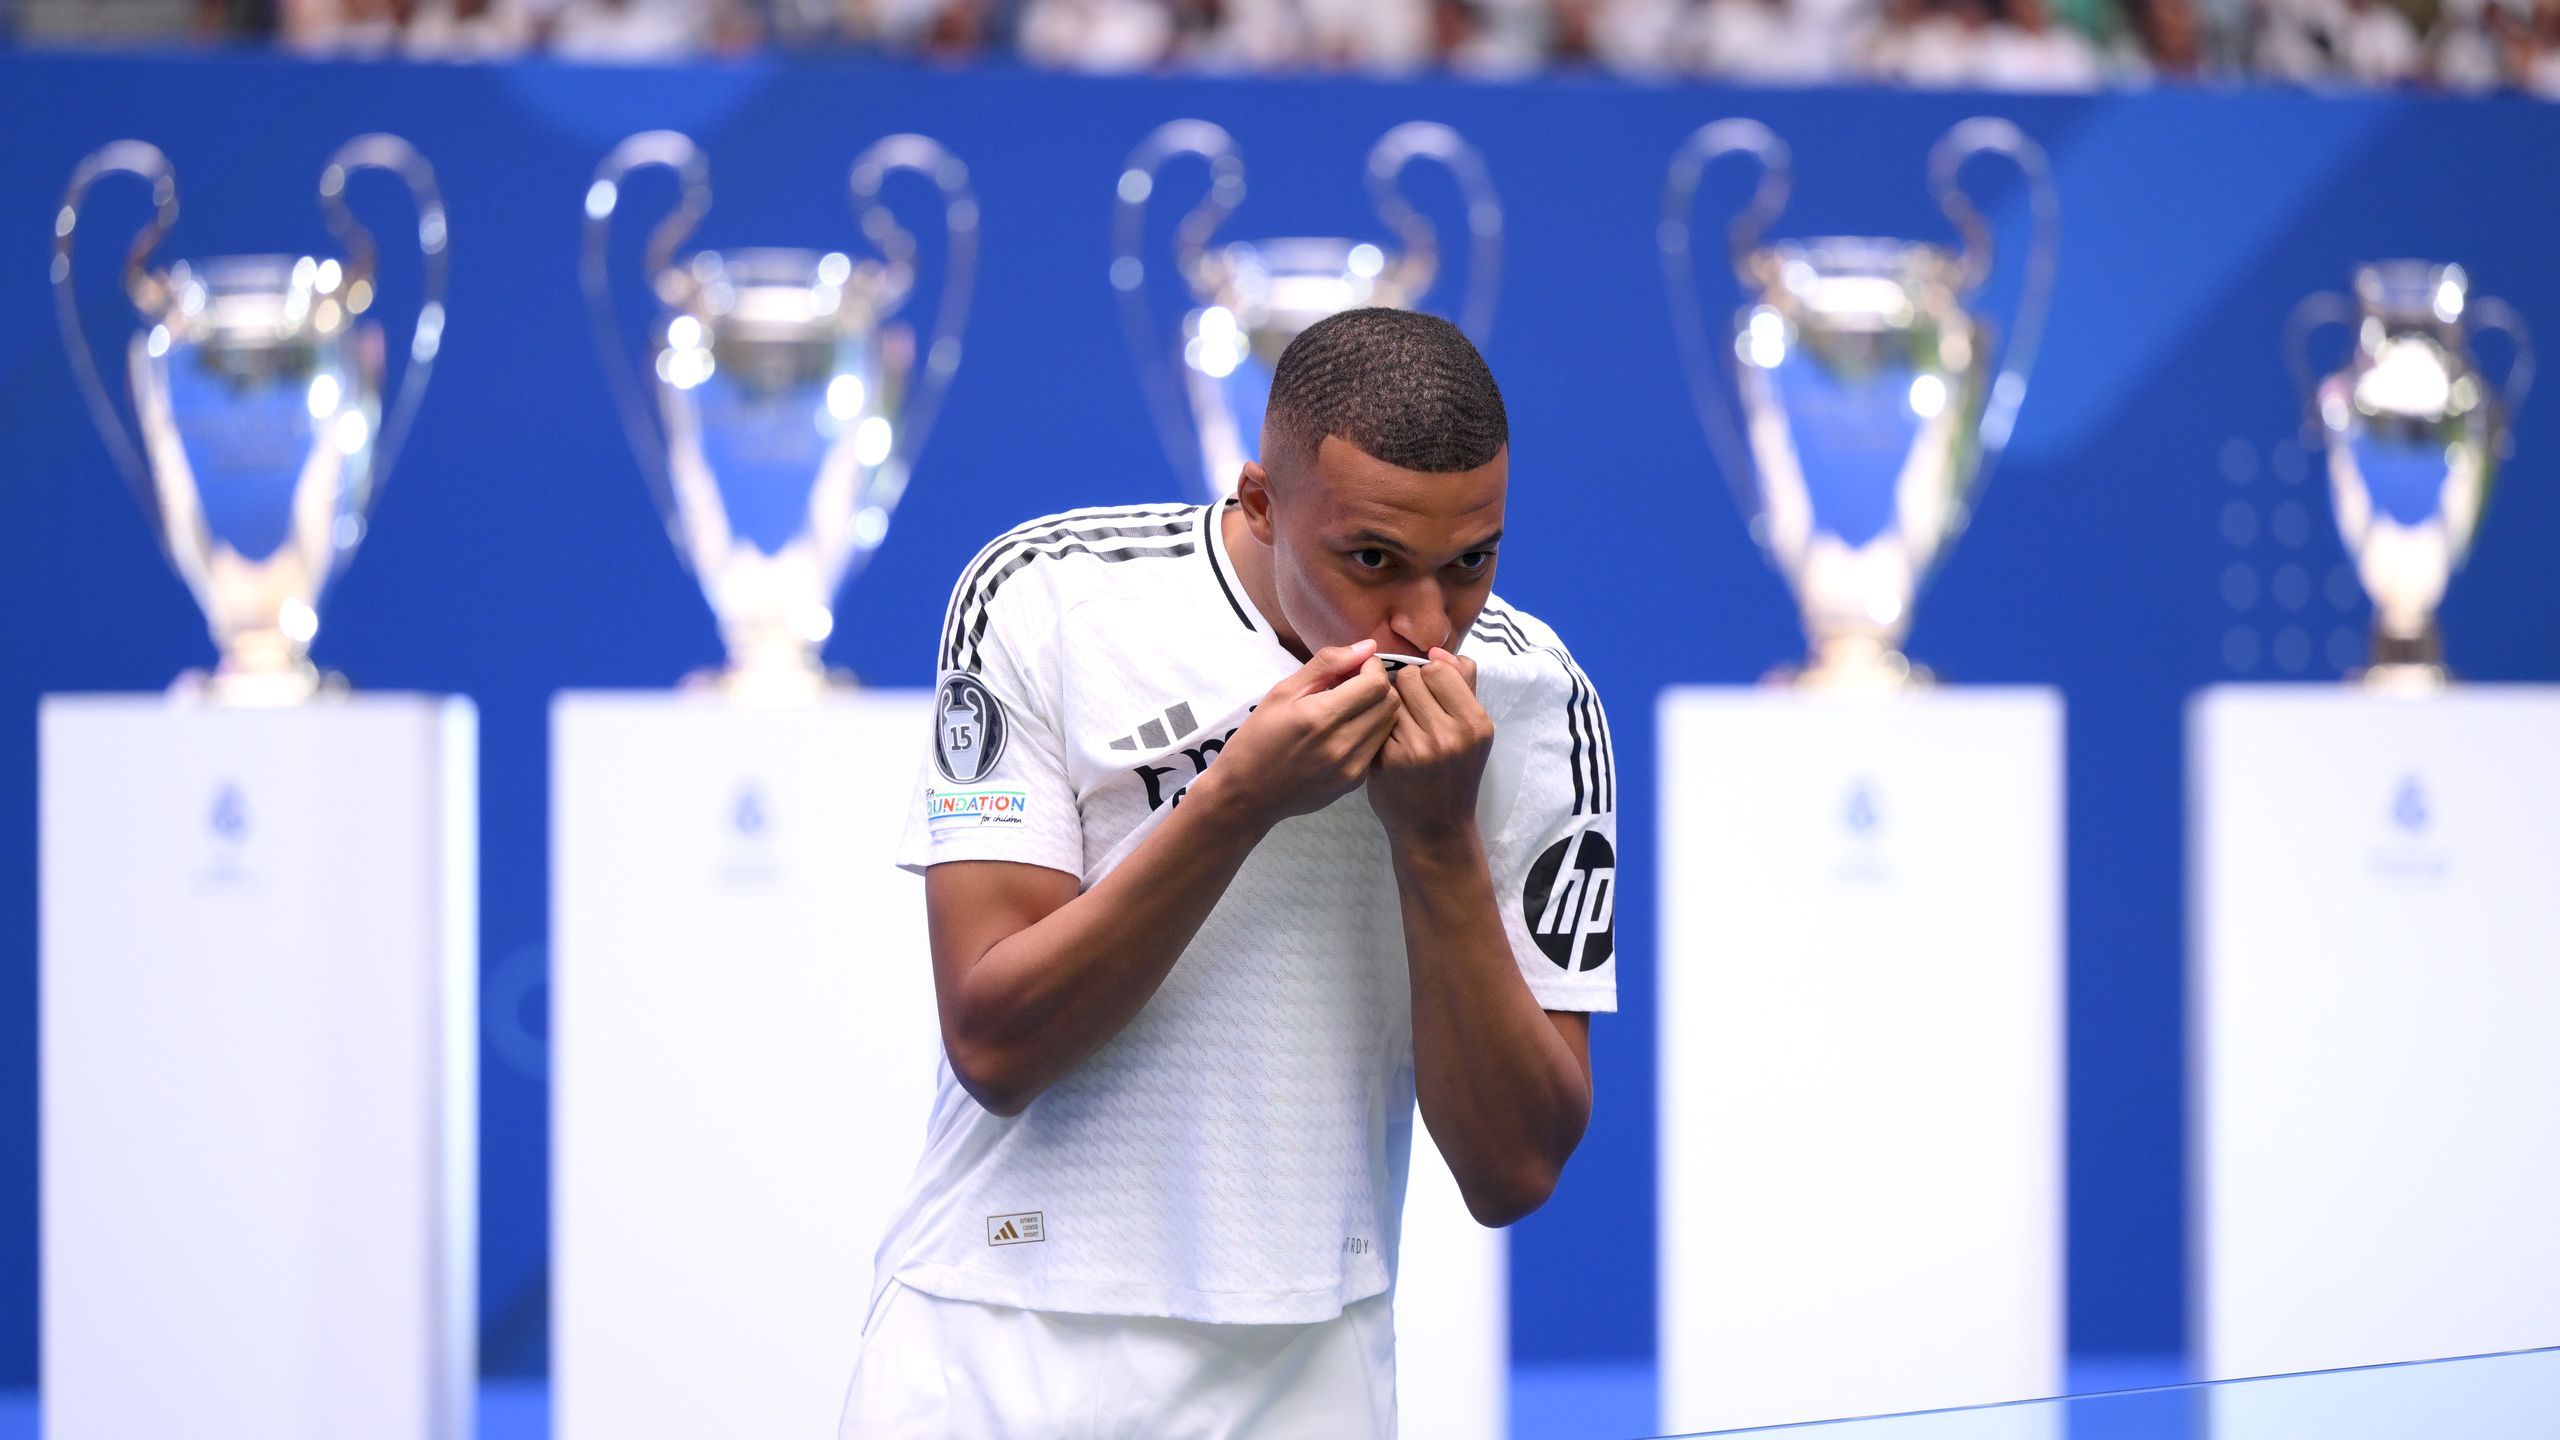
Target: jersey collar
(1223, 566)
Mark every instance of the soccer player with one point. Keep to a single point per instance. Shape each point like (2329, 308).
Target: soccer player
(1215, 898)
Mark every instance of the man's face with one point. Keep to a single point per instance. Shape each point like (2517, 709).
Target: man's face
(1362, 550)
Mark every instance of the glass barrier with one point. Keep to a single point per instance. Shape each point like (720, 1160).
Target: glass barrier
(2513, 1396)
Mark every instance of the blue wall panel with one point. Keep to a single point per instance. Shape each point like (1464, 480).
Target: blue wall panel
(516, 552)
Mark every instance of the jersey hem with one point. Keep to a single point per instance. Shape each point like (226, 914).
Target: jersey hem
(1597, 1002)
(989, 852)
(1164, 1302)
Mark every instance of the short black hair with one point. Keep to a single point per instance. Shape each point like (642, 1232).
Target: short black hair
(1409, 389)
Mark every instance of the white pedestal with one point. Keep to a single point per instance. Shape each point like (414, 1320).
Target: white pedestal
(1453, 1309)
(259, 1086)
(744, 1051)
(2375, 1025)
(1861, 1097)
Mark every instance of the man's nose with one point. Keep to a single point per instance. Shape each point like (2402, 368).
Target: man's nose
(1420, 619)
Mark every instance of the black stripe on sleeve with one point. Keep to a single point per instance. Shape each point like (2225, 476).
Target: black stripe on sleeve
(972, 591)
(1509, 638)
(1024, 555)
(1608, 762)
(1573, 724)
(987, 588)
(988, 554)
(1584, 722)
(1605, 759)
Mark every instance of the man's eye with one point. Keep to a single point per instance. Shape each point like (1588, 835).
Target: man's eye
(1475, 560)
(1369, 559)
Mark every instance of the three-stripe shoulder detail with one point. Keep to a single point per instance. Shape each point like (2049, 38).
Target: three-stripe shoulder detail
(1111, 535)
(1593, 761)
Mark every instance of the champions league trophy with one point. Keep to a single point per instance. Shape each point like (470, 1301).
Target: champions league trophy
(257, 392)
(1870, 408)
(1254, 297)
(783, 401)
(2415, 434)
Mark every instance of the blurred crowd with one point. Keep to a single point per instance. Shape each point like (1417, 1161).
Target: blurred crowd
(2460, 45)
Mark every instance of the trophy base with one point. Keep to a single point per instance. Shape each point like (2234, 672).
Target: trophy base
(2402, 679)
(263, 688)
(2405, 664)
(1853, 666)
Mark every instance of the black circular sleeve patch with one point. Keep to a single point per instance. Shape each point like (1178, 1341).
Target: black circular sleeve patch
(969, 730)
(1571, 901)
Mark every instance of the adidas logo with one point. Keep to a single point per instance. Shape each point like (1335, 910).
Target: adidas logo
(1019, 1229)
(1156, 734)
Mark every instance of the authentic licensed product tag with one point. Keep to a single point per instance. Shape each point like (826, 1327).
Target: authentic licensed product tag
(1020, 1229)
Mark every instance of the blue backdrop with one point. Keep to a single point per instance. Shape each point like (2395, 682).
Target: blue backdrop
(2155, 528)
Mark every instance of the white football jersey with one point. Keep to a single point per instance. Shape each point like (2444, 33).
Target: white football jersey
(1237, 1153)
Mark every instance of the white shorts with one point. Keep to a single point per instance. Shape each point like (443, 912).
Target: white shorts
(931, 1368)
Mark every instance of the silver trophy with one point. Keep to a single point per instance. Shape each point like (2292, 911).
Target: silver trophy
(1251, 298)
(2415, 434)
(1870, 408)
(257, 394)
(781, 401)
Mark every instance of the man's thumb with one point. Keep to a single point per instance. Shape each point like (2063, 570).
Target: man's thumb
(1332, 665)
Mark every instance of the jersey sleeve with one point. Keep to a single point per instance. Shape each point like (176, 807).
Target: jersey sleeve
(1554, 854)
(994, 784)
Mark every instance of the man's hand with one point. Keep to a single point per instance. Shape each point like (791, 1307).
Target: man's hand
(1424, 784)
(1310, 740)
(1034, 975)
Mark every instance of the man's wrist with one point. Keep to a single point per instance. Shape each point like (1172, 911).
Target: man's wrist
(1217, 796)
(1434, 845)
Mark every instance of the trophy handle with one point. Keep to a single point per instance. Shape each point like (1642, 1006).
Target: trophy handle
(941, 358)
(1713, 142)
(1170, 142)
(2489, 313)
(2314, 314)
(1987, 135)
(1430, 140)
(390, 152)
(595, 274)
(147, 292)
(1700, 356)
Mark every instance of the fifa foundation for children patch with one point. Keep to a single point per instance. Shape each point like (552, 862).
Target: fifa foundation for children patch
(969, 729)
(957, 809)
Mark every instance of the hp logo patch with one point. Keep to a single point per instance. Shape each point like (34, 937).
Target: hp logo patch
(970, 728)
(1571, 901)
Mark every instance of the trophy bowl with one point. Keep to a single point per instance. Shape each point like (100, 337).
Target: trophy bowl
(1256, 298)
(780, 400)
(1249, 299)
(1870, 411)
(2414, 433)
(257, 386)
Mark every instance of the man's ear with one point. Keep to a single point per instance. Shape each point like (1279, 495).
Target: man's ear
(1253, 494)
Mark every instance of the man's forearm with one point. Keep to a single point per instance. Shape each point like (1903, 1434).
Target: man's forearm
(1044, 998)
(1505, 1097)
